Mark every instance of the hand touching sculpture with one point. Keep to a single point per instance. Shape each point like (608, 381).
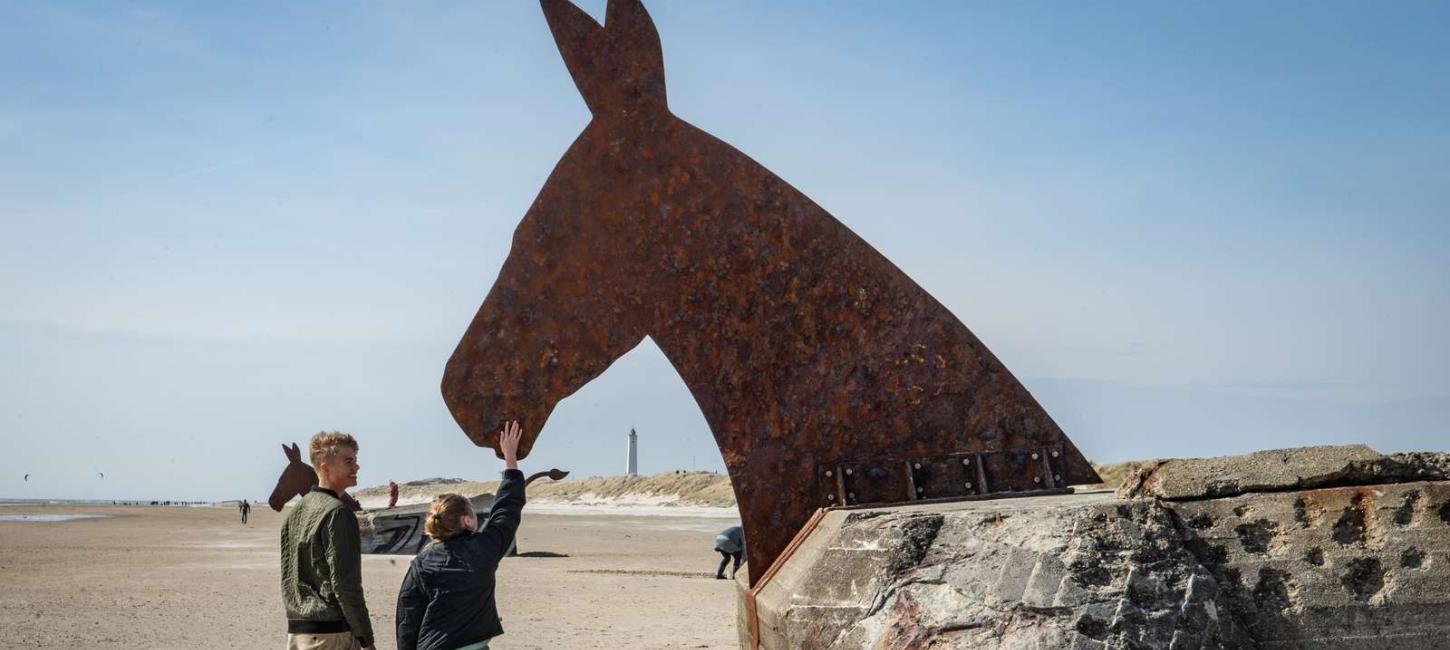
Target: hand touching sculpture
(508, 443)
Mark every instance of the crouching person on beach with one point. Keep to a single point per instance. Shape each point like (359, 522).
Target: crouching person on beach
(730, 544)
(447, 598)
(322, 556)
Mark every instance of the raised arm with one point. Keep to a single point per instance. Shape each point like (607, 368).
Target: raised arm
(508, 504)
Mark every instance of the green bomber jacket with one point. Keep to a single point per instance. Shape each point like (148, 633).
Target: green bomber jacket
(322, 565)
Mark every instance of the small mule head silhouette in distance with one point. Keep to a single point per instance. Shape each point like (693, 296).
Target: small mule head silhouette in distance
(297, 479)
(802, 345)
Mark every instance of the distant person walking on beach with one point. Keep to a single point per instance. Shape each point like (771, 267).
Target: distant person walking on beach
(246, 509)
(730, 543)
(392, 494)
(447, 598)
(322, 556)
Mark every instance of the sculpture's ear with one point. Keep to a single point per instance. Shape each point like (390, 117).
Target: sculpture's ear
(581, 43)
(618, 68)
(633, 34)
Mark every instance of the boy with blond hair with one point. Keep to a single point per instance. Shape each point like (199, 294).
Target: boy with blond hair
(322, 556)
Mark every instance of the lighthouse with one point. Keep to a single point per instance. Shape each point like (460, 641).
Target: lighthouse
(631, 464)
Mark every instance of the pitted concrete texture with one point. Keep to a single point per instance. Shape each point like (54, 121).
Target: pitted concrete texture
(1339, 568)
(1281, 469)
(1349, 567)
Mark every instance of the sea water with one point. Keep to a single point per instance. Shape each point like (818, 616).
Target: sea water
(57, 502)
(47, 518)
(113, 502)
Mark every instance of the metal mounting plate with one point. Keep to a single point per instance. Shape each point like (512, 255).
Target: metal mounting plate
(946, 476)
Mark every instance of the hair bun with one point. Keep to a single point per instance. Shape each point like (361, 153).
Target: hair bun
(445, 516)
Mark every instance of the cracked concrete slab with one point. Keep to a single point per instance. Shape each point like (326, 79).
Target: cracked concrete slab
(1277, 470)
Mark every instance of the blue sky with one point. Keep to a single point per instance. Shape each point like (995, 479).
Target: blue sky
(1189, 229)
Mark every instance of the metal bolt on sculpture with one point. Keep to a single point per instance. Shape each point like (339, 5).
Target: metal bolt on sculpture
(828, 377)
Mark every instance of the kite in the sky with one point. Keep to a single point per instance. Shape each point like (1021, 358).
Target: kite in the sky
(101, 474)
(27, 477)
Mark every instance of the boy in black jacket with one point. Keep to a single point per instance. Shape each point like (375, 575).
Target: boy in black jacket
(447, 598)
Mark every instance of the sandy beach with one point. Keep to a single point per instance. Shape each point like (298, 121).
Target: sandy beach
(193, 577)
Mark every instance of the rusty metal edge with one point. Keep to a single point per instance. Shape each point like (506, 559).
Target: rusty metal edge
(795, 542)
(752, 622)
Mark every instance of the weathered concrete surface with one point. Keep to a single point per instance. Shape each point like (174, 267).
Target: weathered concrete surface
(1346, 567)
(1343, 567)
(1075, 571)
(1277, 470)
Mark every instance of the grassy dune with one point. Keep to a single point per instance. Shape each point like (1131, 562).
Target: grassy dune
(1113, 474)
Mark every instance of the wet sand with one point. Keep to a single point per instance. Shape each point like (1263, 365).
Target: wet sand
(180, 577)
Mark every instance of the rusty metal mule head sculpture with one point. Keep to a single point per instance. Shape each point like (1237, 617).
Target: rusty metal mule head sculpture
(541, 327)
(297, 479)
(828, 377)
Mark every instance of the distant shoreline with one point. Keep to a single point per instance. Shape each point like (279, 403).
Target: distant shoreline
(113, 502)
(48, 518)
(681, 493)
